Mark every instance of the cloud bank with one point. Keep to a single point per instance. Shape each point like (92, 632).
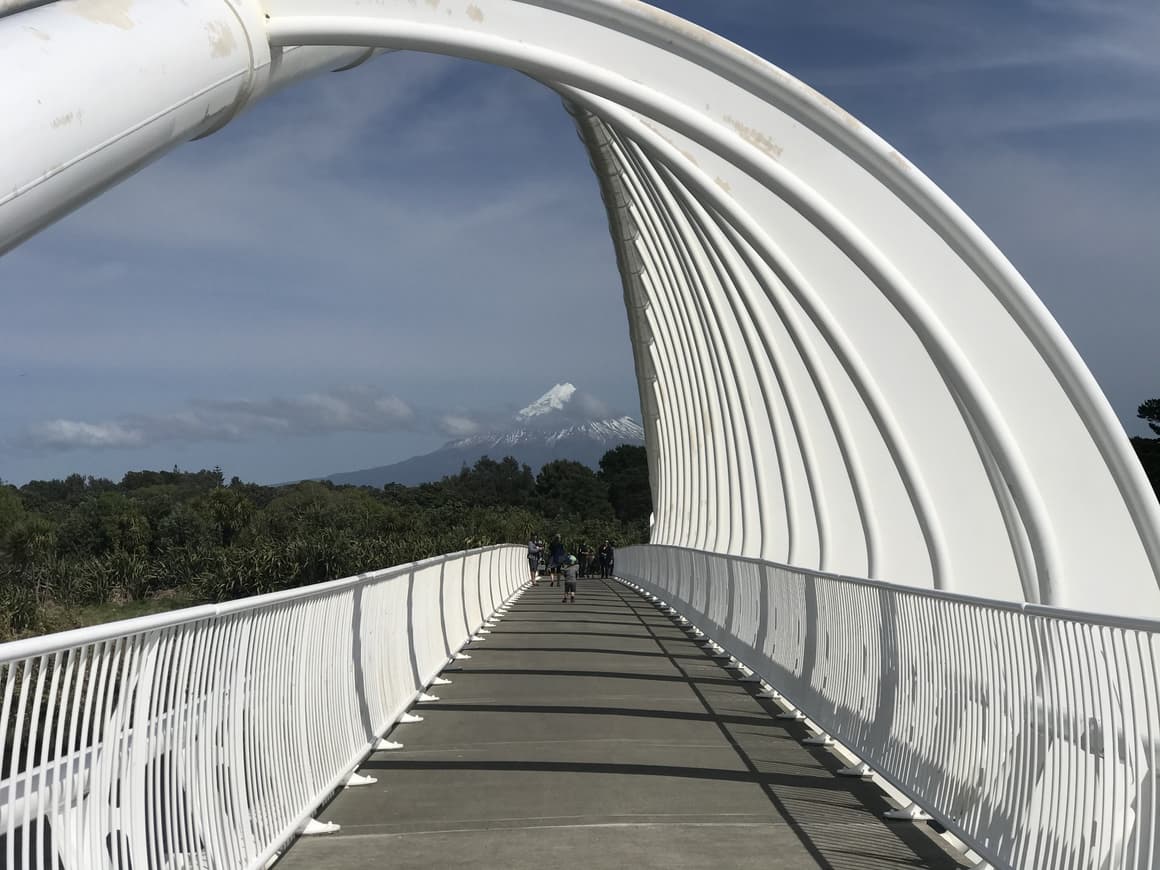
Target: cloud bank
(345, 409)
(342, 409)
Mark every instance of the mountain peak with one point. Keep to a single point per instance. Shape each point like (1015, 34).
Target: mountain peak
(564, 423)
(553, 400)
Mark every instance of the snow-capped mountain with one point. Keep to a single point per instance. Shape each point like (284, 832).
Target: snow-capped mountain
(556, 399)
(564, 423)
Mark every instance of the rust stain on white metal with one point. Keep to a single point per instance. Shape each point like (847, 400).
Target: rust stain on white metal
(719, 43)
(846, 118)
(475, 13)
(112, 12)
(221, 39)
(755, 137)
(699, 34)
(672, 22)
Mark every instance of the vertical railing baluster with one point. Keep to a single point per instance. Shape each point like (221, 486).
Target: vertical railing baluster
(18, 738)
(1031, 731)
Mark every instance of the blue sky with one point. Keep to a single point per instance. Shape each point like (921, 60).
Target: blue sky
(343, 275)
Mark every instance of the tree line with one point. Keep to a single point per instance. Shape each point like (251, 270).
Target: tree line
(1148, 449)
(84, 549)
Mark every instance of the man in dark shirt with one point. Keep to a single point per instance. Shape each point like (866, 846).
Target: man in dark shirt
(604, 555)
(585, 560)
(556, 558)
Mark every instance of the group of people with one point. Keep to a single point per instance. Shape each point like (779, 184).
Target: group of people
(561, 565)
(596, 560)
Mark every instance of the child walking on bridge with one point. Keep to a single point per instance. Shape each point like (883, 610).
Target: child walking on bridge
(571, 572)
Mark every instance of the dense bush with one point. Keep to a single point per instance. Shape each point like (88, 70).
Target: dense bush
(84, 549)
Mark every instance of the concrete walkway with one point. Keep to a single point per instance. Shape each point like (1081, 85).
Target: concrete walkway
(598, 735)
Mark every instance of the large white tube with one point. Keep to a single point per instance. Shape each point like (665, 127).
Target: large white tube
(942, 347)
(117, 84)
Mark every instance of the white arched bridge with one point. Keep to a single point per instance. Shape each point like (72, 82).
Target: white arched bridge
(859, 507)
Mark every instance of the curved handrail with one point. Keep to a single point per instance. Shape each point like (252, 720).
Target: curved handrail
(214, 732)
(1029, 731)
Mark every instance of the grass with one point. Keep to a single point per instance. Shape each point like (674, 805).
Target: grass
(55, 617)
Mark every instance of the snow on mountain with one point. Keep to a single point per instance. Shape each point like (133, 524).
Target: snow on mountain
(556, 399)
(557, 416)
(622, 430)
(564, 423)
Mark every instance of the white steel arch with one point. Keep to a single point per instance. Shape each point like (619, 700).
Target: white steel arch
(837, 369)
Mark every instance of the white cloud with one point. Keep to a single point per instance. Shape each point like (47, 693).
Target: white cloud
(343, 409)
(66, 434)
(588, 407)
(346, 409)
(457, 426)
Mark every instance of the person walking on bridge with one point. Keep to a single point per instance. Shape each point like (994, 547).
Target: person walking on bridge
(605, 555)
(585, 560)
(556, 557)
(535, 548)
(571, 572)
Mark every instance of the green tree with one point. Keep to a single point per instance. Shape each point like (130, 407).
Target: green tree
(185, 481)
(105, 523)
(571, 489)
(184, 527)
(54, 498)
(175, 536)
(489, 483)
(30, 541)
(624, 471)
(1150, 411)
(229, 512)
(11, 509)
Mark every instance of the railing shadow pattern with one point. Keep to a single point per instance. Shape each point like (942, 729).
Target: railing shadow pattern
(207, 736)
(1029, 731)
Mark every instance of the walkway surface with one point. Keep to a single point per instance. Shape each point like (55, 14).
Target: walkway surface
(598, 735)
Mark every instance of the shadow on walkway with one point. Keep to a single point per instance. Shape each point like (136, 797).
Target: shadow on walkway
(580, 753)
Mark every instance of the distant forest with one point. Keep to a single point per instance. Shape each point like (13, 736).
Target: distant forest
(85, 550)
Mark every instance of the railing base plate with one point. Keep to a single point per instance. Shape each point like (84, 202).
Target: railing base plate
(315, 828)
(910, 813)
(357, 779)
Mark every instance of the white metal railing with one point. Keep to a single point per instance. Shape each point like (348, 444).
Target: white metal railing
(207, 737)
(1030, 732)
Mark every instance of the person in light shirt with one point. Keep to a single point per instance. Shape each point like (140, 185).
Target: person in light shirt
(534, 550)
